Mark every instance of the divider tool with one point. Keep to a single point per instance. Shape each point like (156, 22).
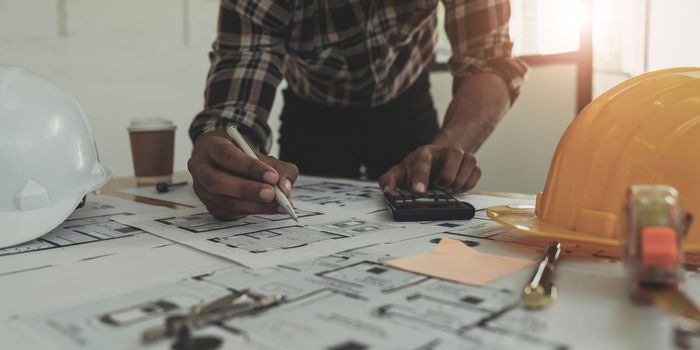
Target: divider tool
(236, 304)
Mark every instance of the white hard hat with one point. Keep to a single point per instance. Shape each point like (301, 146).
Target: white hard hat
(48, 159)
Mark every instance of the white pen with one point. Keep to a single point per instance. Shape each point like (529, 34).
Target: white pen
(280, 198)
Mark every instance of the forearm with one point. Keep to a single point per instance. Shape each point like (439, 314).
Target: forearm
(246, 63)
(479, 102)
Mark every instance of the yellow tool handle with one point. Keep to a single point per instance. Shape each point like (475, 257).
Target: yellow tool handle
(676, 303)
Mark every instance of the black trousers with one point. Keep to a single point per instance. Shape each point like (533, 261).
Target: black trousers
(339, 141)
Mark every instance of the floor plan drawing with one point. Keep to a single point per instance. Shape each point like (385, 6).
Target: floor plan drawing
(78, 231)
(344, 300)
(260, 241)
(348, 299)
(115, 269)
(334, 302)
(121, 319)
(287, 237)
(204, 222)
(335, 193)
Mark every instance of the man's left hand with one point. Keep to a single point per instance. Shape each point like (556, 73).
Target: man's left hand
(444, 167)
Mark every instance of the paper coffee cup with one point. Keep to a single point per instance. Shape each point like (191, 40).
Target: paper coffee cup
(152, 149)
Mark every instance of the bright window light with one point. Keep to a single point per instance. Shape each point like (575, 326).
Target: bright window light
(542, 27)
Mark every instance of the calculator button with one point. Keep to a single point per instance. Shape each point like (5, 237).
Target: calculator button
(425, 200)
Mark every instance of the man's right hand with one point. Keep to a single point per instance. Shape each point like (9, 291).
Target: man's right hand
(231, 184)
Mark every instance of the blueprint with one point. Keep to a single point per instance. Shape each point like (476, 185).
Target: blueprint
(366, 196)
(336, 193)
(268, 240)
(77, 231)
(204, 222)
(117, 323)
(335, 215)
(344, 300)
(116, 268)
(347, 300)
(55, 286)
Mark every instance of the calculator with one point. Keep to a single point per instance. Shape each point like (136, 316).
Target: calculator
(429, 206)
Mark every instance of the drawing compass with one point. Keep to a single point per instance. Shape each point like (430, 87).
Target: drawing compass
(232, 305)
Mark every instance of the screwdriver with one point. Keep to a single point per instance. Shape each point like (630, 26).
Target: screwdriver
(540, 291)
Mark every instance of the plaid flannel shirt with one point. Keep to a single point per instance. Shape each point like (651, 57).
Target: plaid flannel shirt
(342, 53)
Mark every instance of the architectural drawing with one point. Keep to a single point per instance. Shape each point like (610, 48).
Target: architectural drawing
(117, 322)
(335, 193)
(332, 269)
(268, 240)
(342, 301)
(287, 237)
(77, 231)
(204, 222)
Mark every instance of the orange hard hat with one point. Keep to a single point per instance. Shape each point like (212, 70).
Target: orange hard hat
(645, 130)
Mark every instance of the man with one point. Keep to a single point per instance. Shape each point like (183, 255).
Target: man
(358, 96)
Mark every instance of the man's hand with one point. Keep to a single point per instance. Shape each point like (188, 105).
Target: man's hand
(479, 102)
(231, 184)
(447, 168)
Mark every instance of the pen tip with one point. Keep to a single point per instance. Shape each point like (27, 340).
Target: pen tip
(292, 213)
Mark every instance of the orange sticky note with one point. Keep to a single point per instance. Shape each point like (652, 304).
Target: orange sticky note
(455, 261)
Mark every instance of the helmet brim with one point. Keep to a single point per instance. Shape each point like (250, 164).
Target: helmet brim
(31, 224)
(523, 219)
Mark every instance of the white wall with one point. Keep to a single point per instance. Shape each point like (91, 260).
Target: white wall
(673, 33)
(123, 59)
(120, 59)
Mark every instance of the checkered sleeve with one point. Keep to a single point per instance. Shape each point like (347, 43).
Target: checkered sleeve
(478, 34)
(246, 68)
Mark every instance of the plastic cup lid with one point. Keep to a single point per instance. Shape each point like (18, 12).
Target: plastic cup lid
(151, 124)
